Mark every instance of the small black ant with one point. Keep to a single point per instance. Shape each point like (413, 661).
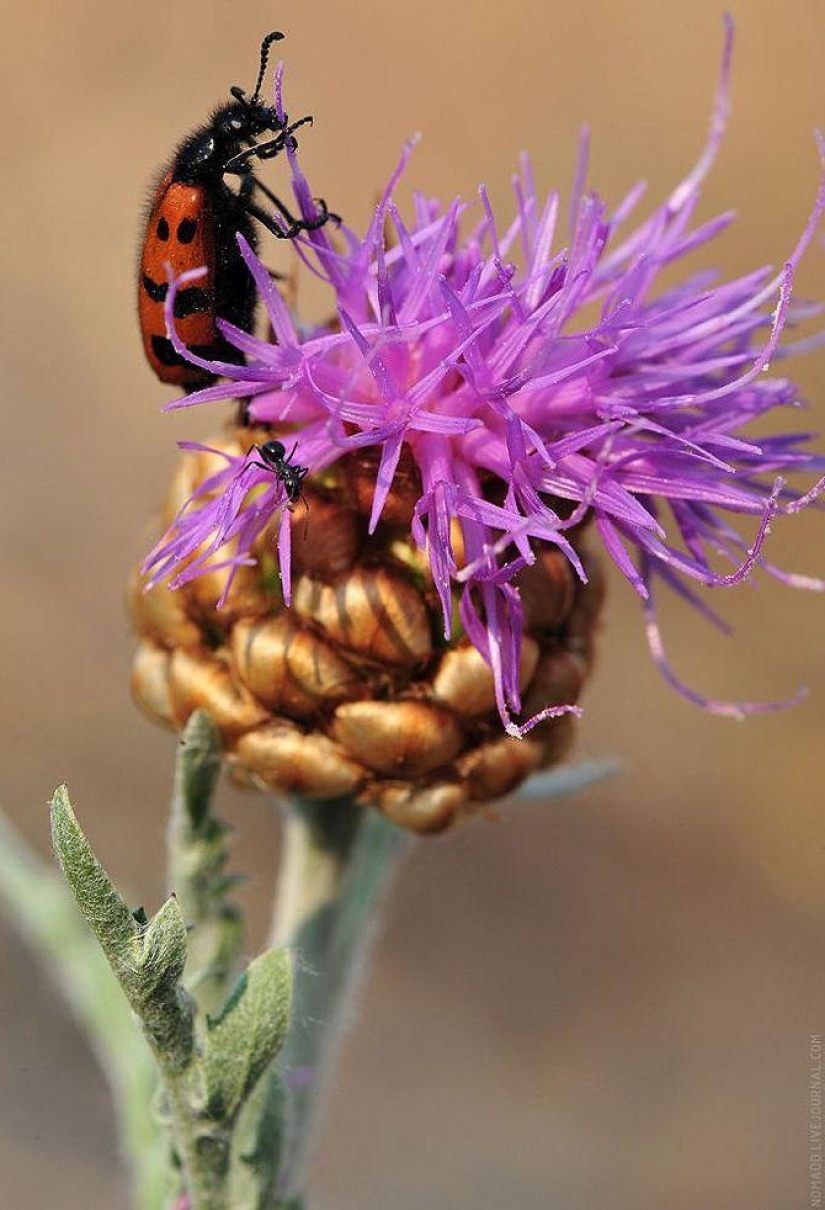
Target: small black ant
(274, 458)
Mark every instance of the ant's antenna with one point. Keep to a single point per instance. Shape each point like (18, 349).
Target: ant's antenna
(275, 36)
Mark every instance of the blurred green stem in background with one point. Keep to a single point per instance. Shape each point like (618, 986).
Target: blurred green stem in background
(48, 917)
(337, 860)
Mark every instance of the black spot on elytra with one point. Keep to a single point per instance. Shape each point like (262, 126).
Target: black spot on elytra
(186, 230)
(163, 229)
(156, 291)
(191, 300)
(165, 352)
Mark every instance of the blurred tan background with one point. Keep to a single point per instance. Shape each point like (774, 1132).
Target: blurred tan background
(600, 1002)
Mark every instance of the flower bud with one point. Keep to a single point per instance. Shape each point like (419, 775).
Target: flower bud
(290, 761)
(402, 739)
(360, 472)
(557, 736)
(351, 692)
(430, 809)
(373, 612)
(448, 400)
(496, 768)
(160, 614)
(150, 682)
(200, 681)
(558, 681)
(464, 681)
(289, 668)
(327, 539)
(588, 601)
(547, 590)
(247, 595)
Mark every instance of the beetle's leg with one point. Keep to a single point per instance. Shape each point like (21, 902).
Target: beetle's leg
(308, 224)
(238, 164)
(285, 133)
(272, 225)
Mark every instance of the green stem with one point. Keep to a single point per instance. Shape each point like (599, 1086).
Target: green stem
(204, 1153)
(337, 860)
(48, 918)
(197, 856)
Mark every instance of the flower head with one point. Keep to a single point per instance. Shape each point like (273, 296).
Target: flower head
(533, 383)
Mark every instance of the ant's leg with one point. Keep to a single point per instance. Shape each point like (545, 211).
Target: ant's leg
(258, 465)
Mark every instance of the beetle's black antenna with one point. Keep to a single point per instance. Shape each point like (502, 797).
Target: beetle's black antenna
(275, 36)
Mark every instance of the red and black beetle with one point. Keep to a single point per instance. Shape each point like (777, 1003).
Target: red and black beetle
(194, 219)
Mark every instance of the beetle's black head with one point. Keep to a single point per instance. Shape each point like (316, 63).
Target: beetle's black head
(248, 112)
(238, 122)
(246, 117)
(233, 129)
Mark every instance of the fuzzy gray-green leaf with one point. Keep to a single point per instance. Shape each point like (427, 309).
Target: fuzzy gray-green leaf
(163, 947)
(160, 1001)
(148, 960)
(246, 1037)
(106, 912)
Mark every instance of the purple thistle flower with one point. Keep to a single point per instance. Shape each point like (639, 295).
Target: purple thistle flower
(469, 350)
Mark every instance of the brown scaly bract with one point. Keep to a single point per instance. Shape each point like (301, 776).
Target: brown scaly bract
(352, 691)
